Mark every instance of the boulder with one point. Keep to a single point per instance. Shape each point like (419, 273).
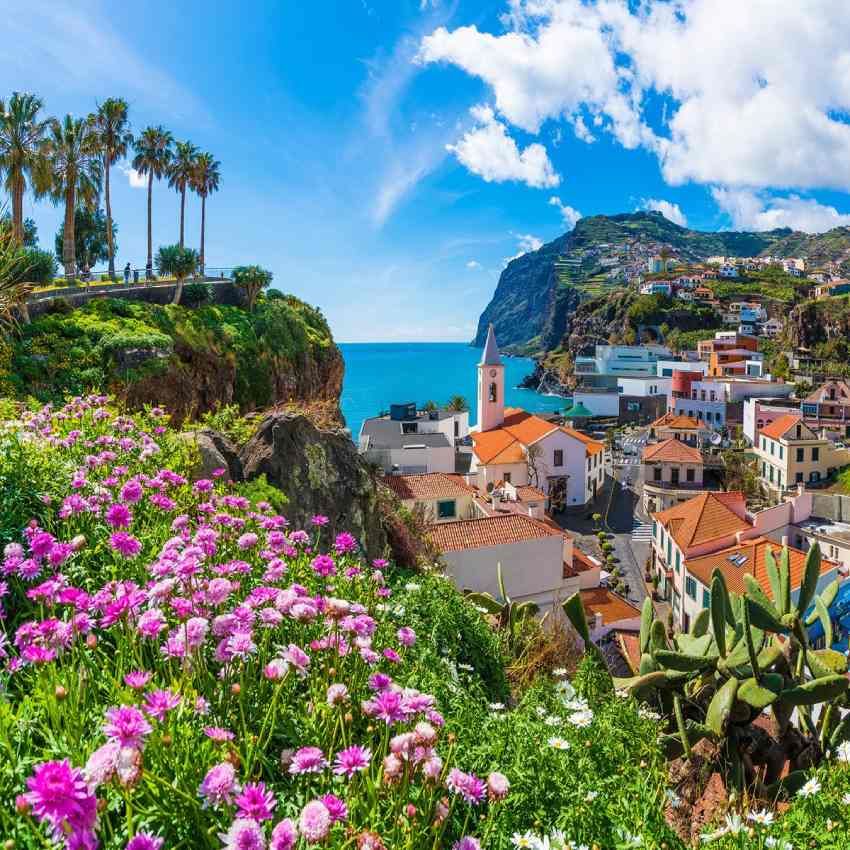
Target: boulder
(217, 452)
(321, 472)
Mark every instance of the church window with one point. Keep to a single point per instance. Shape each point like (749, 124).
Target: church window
(493, 391)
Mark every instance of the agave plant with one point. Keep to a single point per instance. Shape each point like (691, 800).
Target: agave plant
(744, 656)
(511, 615)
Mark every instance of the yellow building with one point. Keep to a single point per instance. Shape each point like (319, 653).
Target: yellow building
(790, 452)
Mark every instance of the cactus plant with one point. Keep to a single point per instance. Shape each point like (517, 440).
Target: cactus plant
(745, 655)
(511, 615)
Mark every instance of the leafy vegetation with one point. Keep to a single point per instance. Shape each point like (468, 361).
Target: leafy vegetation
(178, 262)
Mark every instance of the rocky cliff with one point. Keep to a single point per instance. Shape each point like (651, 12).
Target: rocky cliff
(188, 359)
(539, 293)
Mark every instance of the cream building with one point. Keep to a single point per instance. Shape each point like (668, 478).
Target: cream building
(789, 453)
(672, 473)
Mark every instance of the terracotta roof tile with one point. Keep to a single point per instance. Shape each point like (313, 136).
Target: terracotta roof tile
(432, 485)
(600, 600)
(583, 563)
(490, 444)
(592, 446)
(526, 427)
(703, 518)
(489, 531)
(672, 451)
(754, 551)
(629, 644)
(527, 493)
(678, 421)
(777, 429)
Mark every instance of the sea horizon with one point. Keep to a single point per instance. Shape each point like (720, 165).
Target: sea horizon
(379, 374)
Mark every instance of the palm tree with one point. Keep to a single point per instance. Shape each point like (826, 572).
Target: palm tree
(204, 182)
(254, 280)
(73, 158)
(21, 140)
(113, 131)
(153, 157)
(457, 404)
(178, 261)
(13, 272)
(180, 175)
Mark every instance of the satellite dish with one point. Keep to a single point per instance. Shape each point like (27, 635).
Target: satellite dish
(716, 439)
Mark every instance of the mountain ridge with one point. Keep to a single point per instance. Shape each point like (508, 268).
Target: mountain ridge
(538, 291)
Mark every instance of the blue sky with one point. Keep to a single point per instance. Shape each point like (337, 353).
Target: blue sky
(385, 157)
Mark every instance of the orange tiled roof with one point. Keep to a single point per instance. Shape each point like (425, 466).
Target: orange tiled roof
(679, 421)
(489, 531)
(592, 446)
(779, 426)
(526, 427)
(582, 563)
(672, 451)
(432, 485)
(703, 518)
(629, 644)
(527, 493)
(754, 550)
(600, 600)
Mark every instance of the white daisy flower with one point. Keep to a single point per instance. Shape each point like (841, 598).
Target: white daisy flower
(591, 796)
(843, 752)
(762, 817)
(527, 839)
(497, 706)
(468, 667)
(552, 721)
(559, 743)
(582, 719)
(810, 788)
(412, 587)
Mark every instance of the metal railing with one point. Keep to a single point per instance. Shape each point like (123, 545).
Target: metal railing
(140, 275)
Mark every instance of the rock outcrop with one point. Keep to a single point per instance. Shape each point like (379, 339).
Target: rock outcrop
(320, 472)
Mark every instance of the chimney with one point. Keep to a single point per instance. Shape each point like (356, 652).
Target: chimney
(784, 540)
(597, 621)
(739, 536)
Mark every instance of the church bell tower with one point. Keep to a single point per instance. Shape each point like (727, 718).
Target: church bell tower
(491, 386)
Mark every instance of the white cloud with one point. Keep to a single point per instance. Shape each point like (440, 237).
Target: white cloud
(569, 214)
(751, 210)
(488, 151)
(525, 243)
(753, 94)
(136, 180)
(670, 211)
(474, 265)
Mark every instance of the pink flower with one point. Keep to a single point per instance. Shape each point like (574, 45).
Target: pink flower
(144, 841)
(308, 760)
(243, 834)
(125, 544)
(276, 669)
(467, 843)
(297, 658)
(255, 802)
(284, 836)
(497, 786)
(351, 760)
(159, 703)
(131, 492)
(118, 515)
(126, 725)
(218, 734)
(151, 623)
(59, 795)
(101, 765)
(247, 540)
(337, 808)
(337, 694)
(219, 785)
(406, 636)
(467, 785)
(344, 543)
(319, 520)
(323, 565)
(315, 822)
(137, 679)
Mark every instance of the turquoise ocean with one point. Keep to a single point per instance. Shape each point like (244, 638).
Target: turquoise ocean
(378, 374)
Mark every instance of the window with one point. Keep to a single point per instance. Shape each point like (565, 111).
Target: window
(689, 475)
(772, 446)
(691, 587)
(656, 473)
(506, 478)
(815, 455)
(654, 528)
(706, 598)
(457, 428)
(589, 485)
(781, 451)
(559, 457)
(446, 509)
(493, 391)
(678, 560)
(801, 455)
(763, 444)
(409, 427)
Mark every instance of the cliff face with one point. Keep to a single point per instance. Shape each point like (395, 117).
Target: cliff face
(188, 359)
(539, 293)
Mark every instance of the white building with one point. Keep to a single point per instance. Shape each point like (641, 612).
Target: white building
(511, 445)
(719, 401)
(621, 361)
(412, 441)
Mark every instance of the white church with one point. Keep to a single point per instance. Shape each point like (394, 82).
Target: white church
(519, 448)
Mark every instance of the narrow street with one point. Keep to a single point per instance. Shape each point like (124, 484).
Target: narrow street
(623, 518)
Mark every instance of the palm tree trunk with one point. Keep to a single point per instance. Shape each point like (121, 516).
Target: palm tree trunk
(182, 212)
(150, 231)
(18, 208)
(109, 242)
(178, 292)
(203, 225)
(68, 247)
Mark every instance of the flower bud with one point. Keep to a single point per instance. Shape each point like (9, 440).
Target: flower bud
(236, 689)
(60, 693)
(79, 542)
(410, 810)
(91, 640)
(22, 806)
(167, 740)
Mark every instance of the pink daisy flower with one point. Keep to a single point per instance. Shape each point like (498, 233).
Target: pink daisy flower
(255, 802)
(351, 760)
(308, 760)
(127, 726)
